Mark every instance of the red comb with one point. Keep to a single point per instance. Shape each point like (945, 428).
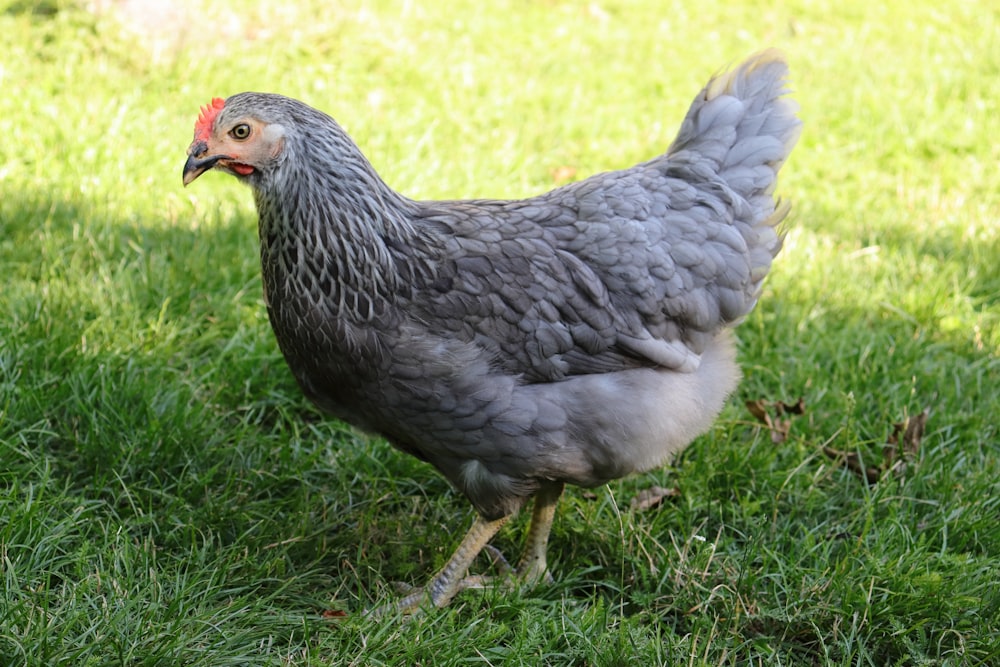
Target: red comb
(203, 128)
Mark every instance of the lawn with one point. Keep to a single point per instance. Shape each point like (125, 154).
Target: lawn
(167, 496)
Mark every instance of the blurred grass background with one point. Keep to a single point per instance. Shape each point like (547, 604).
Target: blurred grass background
(167, 497)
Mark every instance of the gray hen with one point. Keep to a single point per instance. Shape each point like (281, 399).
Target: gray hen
(574, 337)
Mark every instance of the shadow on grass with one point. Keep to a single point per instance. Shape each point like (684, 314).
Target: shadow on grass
(123, 332)
(141, 379)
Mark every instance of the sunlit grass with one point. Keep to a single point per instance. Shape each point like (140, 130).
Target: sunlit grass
(168, 497)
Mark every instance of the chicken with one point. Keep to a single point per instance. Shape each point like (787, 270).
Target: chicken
(574, 337)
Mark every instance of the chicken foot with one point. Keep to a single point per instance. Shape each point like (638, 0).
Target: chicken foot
(452, 578)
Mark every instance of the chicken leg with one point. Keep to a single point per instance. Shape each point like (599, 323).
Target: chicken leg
(533, 566)
(451, 579)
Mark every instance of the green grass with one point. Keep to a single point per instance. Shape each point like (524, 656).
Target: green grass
(168, 498)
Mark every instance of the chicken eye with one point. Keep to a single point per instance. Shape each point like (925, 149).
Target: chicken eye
(240, 132)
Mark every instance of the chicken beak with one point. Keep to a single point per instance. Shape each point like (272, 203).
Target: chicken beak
(197, 164)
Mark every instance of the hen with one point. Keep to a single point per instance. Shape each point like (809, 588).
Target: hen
(574, 337)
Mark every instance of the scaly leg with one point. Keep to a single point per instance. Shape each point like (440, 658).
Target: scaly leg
(533, 566)
(450, 580)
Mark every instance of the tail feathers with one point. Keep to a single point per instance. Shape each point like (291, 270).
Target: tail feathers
(741, 127)
(736, 135)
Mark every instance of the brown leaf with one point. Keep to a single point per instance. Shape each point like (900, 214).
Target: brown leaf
(900, 449)
(758, 409)
(904, 442)
(334, 613)
(797, 408)
(652, 497)
(779, 428)
(913, 431)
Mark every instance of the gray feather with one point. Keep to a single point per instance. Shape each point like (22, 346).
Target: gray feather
(579, 335)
